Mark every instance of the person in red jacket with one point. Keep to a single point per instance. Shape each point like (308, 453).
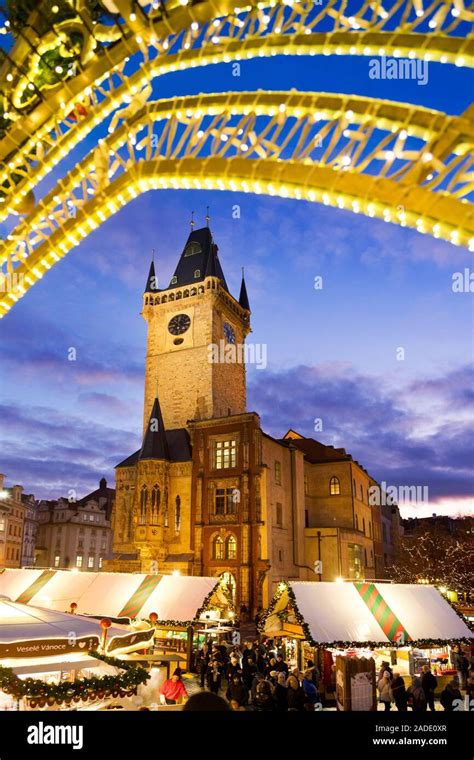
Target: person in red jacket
(172, 689)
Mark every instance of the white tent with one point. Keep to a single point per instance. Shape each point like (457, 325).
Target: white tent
(361, 613)
(27, 631)
(173, 598)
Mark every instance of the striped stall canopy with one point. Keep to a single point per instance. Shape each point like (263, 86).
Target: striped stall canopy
(361, 612)
(133, 595)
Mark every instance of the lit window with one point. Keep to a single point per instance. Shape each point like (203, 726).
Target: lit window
(174, 280)
(231, 547)
(278, 473)
(100, 563)
(177, 515)
(143, 503)
(90, 561)
(91, 518)
(2, 523)
(155, 504)
(197, 274)
(225, 501)
(334, 486)
(57, 560)
(225, 454)
(79, 560)
(219, 548)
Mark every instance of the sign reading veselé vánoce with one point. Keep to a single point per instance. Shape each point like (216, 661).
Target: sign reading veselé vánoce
(48, 647)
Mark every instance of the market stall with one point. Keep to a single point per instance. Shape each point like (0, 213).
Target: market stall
(55, 659)
(173, 604)
(405, 625)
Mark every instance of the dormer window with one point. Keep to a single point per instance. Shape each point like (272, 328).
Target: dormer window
(173, 280)
(192, 248)
(197, 274)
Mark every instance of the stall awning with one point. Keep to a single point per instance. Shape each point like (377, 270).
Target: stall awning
(28, 631)
(176, 599)
(363, 613)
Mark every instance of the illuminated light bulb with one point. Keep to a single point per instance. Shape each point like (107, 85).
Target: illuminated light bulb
(454, 12)
(215, 39)
(459, 61)
(244, 147)
(412, 54)
(444, 59)
(389, 155)
(133, 17)
(31, 86)
(59, 69)
(224, 138)
(432, 24)
(9, 77)
(346, 161)
(427, 157)
(419, 13)
(349, 115)
(55, 9)
(195, 26)
(403, 134)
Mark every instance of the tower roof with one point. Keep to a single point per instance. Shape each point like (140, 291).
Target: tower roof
(151, 283)
(198, 260)
(243, 297)
(155, 445)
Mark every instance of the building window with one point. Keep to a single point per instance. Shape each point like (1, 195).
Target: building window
(355, 561)
(155, 504)
(306, 518)
(79, 560)
(280, 555)
(231, 547)
(370, 528)
(173, 280)
(2, 523)
(224, 501)
(361, 493)
(80, 544)
(225, 454)
(177, 515)
(357, 521)
(365, 557)
(100, 563)
(306, 485)
(57, 560)
(354, 484)
(279, 514)
(219, 548)
(103, 545)
(90, 561)
(334, 486)
(363, 525)
(197, 274)
(278, 473)
(143, 503)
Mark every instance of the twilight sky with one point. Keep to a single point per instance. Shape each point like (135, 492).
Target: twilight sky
(331, 352)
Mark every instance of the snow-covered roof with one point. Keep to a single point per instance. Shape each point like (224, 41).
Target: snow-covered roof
(363, 612)
(172, 598)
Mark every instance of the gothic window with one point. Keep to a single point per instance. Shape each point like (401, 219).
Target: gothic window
(231, 547)
(177, 516)
(143, 505)
(334, 486)
(278, 473)
(361, 493)
(197, 274)
(219, 548)
(225, 454)
(165, 510)
(225, 501)
(155, 504)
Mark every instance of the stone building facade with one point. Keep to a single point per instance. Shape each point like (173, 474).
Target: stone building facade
(18, 526)
(209, 492)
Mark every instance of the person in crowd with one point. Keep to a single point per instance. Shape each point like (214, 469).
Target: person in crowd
(262, 662)
(249, 652)
(202, 662)
(173, 689)
(451, 697)
(384, 689)
(428, 684)
(311, 693)
(233, 668)
(270, 666)
(235, 706)
(315, 674)
(385, 667)
(214, 677)
(280, 693)
(263, 699)
(249, 669)
(399, 692)
(461, 664)
(416, 695)
(281, 665)
(295, 694)
(237, 691)
(205, 701)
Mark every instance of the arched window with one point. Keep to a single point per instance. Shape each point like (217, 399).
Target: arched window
(363, 525)
(219, 548)
(231, 547)
(361, 492)
(143, 505)
(165, 509)
(177, 514)
(357, 522)
(197, 274)
(334, 486)
(155, 504)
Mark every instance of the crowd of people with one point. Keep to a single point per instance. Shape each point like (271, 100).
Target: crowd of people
(256, 676)
(420, 695)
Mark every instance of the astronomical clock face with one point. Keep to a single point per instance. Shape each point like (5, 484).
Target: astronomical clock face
(229, 333)
(179, 324)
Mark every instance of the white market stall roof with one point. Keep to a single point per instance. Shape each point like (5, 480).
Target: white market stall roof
(178, 599)
(30, 631)
(358, 613)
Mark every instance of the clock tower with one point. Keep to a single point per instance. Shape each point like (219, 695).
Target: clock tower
(196, 337)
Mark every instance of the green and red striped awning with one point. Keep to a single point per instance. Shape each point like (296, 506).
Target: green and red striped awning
(385, 617)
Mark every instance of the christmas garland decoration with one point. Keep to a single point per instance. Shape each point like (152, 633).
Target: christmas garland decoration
(202, 609)
(416, 644)
(40, 694)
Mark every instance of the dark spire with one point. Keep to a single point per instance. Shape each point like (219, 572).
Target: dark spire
(243, 297)
(198, 260)
(155, 445)
(151, 283)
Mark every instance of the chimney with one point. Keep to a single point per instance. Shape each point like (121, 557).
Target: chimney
(16, 492)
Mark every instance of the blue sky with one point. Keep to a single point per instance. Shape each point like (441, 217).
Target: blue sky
(331, 352)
